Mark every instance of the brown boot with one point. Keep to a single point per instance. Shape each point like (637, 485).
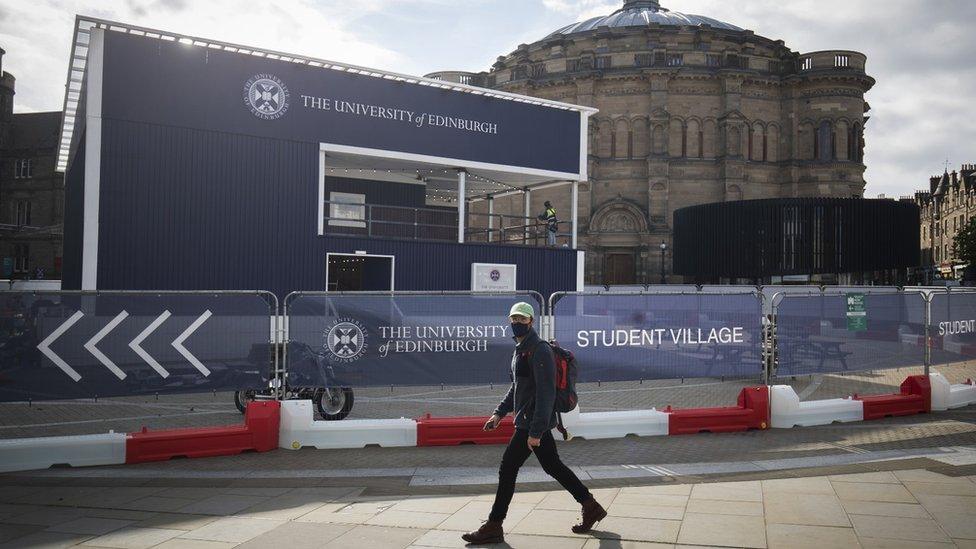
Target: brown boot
(593, 513)
(490, 532)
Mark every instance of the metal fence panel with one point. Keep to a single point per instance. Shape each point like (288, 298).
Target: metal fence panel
(820, 334)
(953, 332)
(64, 345)
(400, 339)
(620, 337)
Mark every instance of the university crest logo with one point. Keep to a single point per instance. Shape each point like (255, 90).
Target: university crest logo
(267, 96)
(345, 340)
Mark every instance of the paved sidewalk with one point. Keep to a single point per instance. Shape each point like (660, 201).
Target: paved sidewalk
(883, 508)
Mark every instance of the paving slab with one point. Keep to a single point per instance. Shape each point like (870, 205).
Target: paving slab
(134, 538)
(898, 528)
(726, 530)
(232, 529)
(808, 509)
(793, 536)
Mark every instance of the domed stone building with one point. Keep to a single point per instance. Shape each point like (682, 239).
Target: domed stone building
(692, 110)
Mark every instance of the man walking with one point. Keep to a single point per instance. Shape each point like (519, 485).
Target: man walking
(532, 397)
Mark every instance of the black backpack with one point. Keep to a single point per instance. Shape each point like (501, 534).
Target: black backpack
(566, 373)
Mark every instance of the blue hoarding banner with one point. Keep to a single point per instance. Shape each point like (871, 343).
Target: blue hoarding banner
(69, 345)
(660, 336)
(169, 83)
(818, 334)
(353, 340)
(953, 327)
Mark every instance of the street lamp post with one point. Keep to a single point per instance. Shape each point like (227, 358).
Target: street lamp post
(664, 248)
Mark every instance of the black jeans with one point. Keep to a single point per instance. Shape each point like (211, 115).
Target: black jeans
(516, 454)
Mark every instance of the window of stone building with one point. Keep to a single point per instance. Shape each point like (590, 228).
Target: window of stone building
(855, 151)
(603, 62)
(675, 59)
(23, 214)
(613, 144)
(630, 144)
(806, 64)
(659, 58)
(24, 168)
(684, 141)
(713, 60)
(21, 257)
(765, 151)
(824, 150)
(701, 144)
(842, 61)
(749, 154)
(644, 60)
(538, 70)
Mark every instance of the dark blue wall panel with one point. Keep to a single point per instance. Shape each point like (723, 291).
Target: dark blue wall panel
(188, 209)
(147, 80)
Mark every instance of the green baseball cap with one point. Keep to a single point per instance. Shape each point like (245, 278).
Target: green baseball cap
(522, 309)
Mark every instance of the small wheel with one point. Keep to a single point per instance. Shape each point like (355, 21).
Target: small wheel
(334, 404)
(241, 398)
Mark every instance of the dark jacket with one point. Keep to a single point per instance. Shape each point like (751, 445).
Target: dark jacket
(532, 395)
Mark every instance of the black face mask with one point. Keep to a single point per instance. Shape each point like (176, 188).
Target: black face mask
(520, 329)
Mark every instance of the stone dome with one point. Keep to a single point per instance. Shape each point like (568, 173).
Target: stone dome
(641, 13)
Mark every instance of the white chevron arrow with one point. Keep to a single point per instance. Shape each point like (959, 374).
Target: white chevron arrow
(58, 361)
(178, 343)
(135, 345)
(98, 337)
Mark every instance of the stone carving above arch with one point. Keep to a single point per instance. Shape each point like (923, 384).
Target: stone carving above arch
(619, 216)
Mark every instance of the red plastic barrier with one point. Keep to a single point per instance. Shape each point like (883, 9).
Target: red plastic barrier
(452, 431)
(752, 412)
(915, 398)
(259, 433)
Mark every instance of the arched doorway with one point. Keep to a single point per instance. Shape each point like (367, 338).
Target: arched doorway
(619, 229)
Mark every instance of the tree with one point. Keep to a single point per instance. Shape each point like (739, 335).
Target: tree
(964, 244)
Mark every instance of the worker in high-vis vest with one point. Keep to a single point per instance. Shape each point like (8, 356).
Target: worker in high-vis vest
(552, 224)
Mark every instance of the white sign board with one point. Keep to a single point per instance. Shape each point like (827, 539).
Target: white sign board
(492, 277)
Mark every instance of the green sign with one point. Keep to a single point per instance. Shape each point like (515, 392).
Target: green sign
(857, 317)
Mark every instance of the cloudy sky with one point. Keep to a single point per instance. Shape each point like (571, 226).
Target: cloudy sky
(920, 51)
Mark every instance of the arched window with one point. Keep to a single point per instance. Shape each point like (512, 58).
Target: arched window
(824, 150)
(613, 145)
(693, 133)
(684, 141)
(749, 155)
(630, 144)
(765, 151)
(855, 144)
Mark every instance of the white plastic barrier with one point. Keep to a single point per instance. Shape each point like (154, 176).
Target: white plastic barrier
(786, 410)
(25, 454)
(299, 429)
(599, 425)
(946, 396)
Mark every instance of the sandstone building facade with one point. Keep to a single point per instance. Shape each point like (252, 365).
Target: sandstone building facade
(692, 111)
(946, 208)
(31, 190)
